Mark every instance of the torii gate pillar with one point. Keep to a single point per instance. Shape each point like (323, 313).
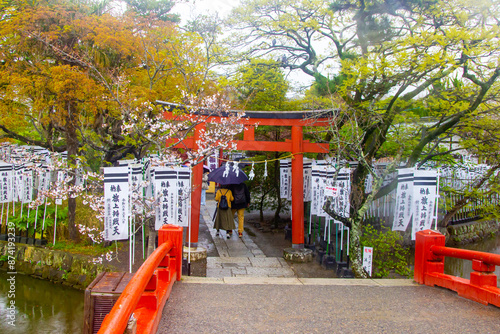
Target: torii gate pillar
(297, 189)
(297, 145)
(196, 194)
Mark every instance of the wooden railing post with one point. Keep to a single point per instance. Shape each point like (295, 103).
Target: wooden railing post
(146, 293)
(425, 260)
(483, 274)
(429, 268)
(174, 234)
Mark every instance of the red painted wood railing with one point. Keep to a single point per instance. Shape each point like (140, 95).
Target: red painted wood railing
(429, 268)
(146, 293)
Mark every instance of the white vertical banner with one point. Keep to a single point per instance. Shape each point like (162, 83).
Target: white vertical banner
(116, 203)
(6, 176)
(44, 179)
(369, 183)
(135, 181)
(148, 177)
(18, 183)
(404, 195)
(322, 185)
(61, 176)
(27, 193)
(368, 259)
(183, 196)
(424, 200)
(327, 190)
(284, 179)
(165, 187)
(123, 163)
(343, 184)
(315, 189)
(307, 179)
(78, 176)
(289, 174)
(213, 161)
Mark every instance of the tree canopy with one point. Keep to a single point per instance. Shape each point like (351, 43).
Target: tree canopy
(383, 62)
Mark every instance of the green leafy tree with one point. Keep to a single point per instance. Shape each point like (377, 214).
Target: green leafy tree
(154, 9)
(386, 57)
(261, 85)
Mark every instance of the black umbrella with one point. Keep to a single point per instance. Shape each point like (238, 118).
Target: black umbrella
(218, 175)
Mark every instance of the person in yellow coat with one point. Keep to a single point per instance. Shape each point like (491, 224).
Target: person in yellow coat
(240, 203)
(224, 220)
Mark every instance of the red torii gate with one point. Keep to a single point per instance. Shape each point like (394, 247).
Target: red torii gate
(297, 146)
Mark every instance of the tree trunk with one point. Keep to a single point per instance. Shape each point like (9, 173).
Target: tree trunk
(360, 203)
(151, 237)
(355, 250)
(261, 207)
(72, 146)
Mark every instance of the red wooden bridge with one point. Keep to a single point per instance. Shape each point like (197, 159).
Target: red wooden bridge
(145, 296)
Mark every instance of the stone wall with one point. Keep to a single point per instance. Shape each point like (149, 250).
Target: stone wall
(470, 232)
(74, 270)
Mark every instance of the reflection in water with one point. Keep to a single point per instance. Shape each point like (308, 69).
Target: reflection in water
(41, 306)
(463, 268)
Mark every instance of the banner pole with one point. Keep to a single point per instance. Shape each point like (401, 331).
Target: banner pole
(7, 218)
(28, 222)
(336, 241)
(130, 246)
(437, 200)
(341, 242)
(189, 229)
(43, 222)
(328, 241)
(36, 218)
(310, 222)
(1, 221)
(133, 244)
(55, 225)
(347, 251)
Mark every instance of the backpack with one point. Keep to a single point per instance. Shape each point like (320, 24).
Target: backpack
(239, 194)
(223, 205)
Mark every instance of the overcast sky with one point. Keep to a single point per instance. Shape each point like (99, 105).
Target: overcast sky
(194, 7)
(189, 10)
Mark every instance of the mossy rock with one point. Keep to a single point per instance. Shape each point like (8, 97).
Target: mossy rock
(46, 272)
(62, 260)
(25, 268)
(48, 258)
(20, 252)
(56, 275)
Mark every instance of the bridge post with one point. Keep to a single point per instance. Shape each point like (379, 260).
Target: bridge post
(425, 260)
(174, 234)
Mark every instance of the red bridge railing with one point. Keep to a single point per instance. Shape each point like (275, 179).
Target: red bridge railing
(429, 268)
(146, 293)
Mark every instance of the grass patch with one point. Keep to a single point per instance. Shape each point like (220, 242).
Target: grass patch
(93, 250)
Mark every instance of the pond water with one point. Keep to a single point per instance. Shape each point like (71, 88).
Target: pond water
(40, 306)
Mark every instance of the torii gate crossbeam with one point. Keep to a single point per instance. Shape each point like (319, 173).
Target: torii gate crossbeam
(296, 145)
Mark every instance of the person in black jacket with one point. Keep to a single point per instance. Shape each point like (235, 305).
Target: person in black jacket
(241, 201)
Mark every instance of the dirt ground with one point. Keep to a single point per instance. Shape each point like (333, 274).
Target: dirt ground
(270, 239)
